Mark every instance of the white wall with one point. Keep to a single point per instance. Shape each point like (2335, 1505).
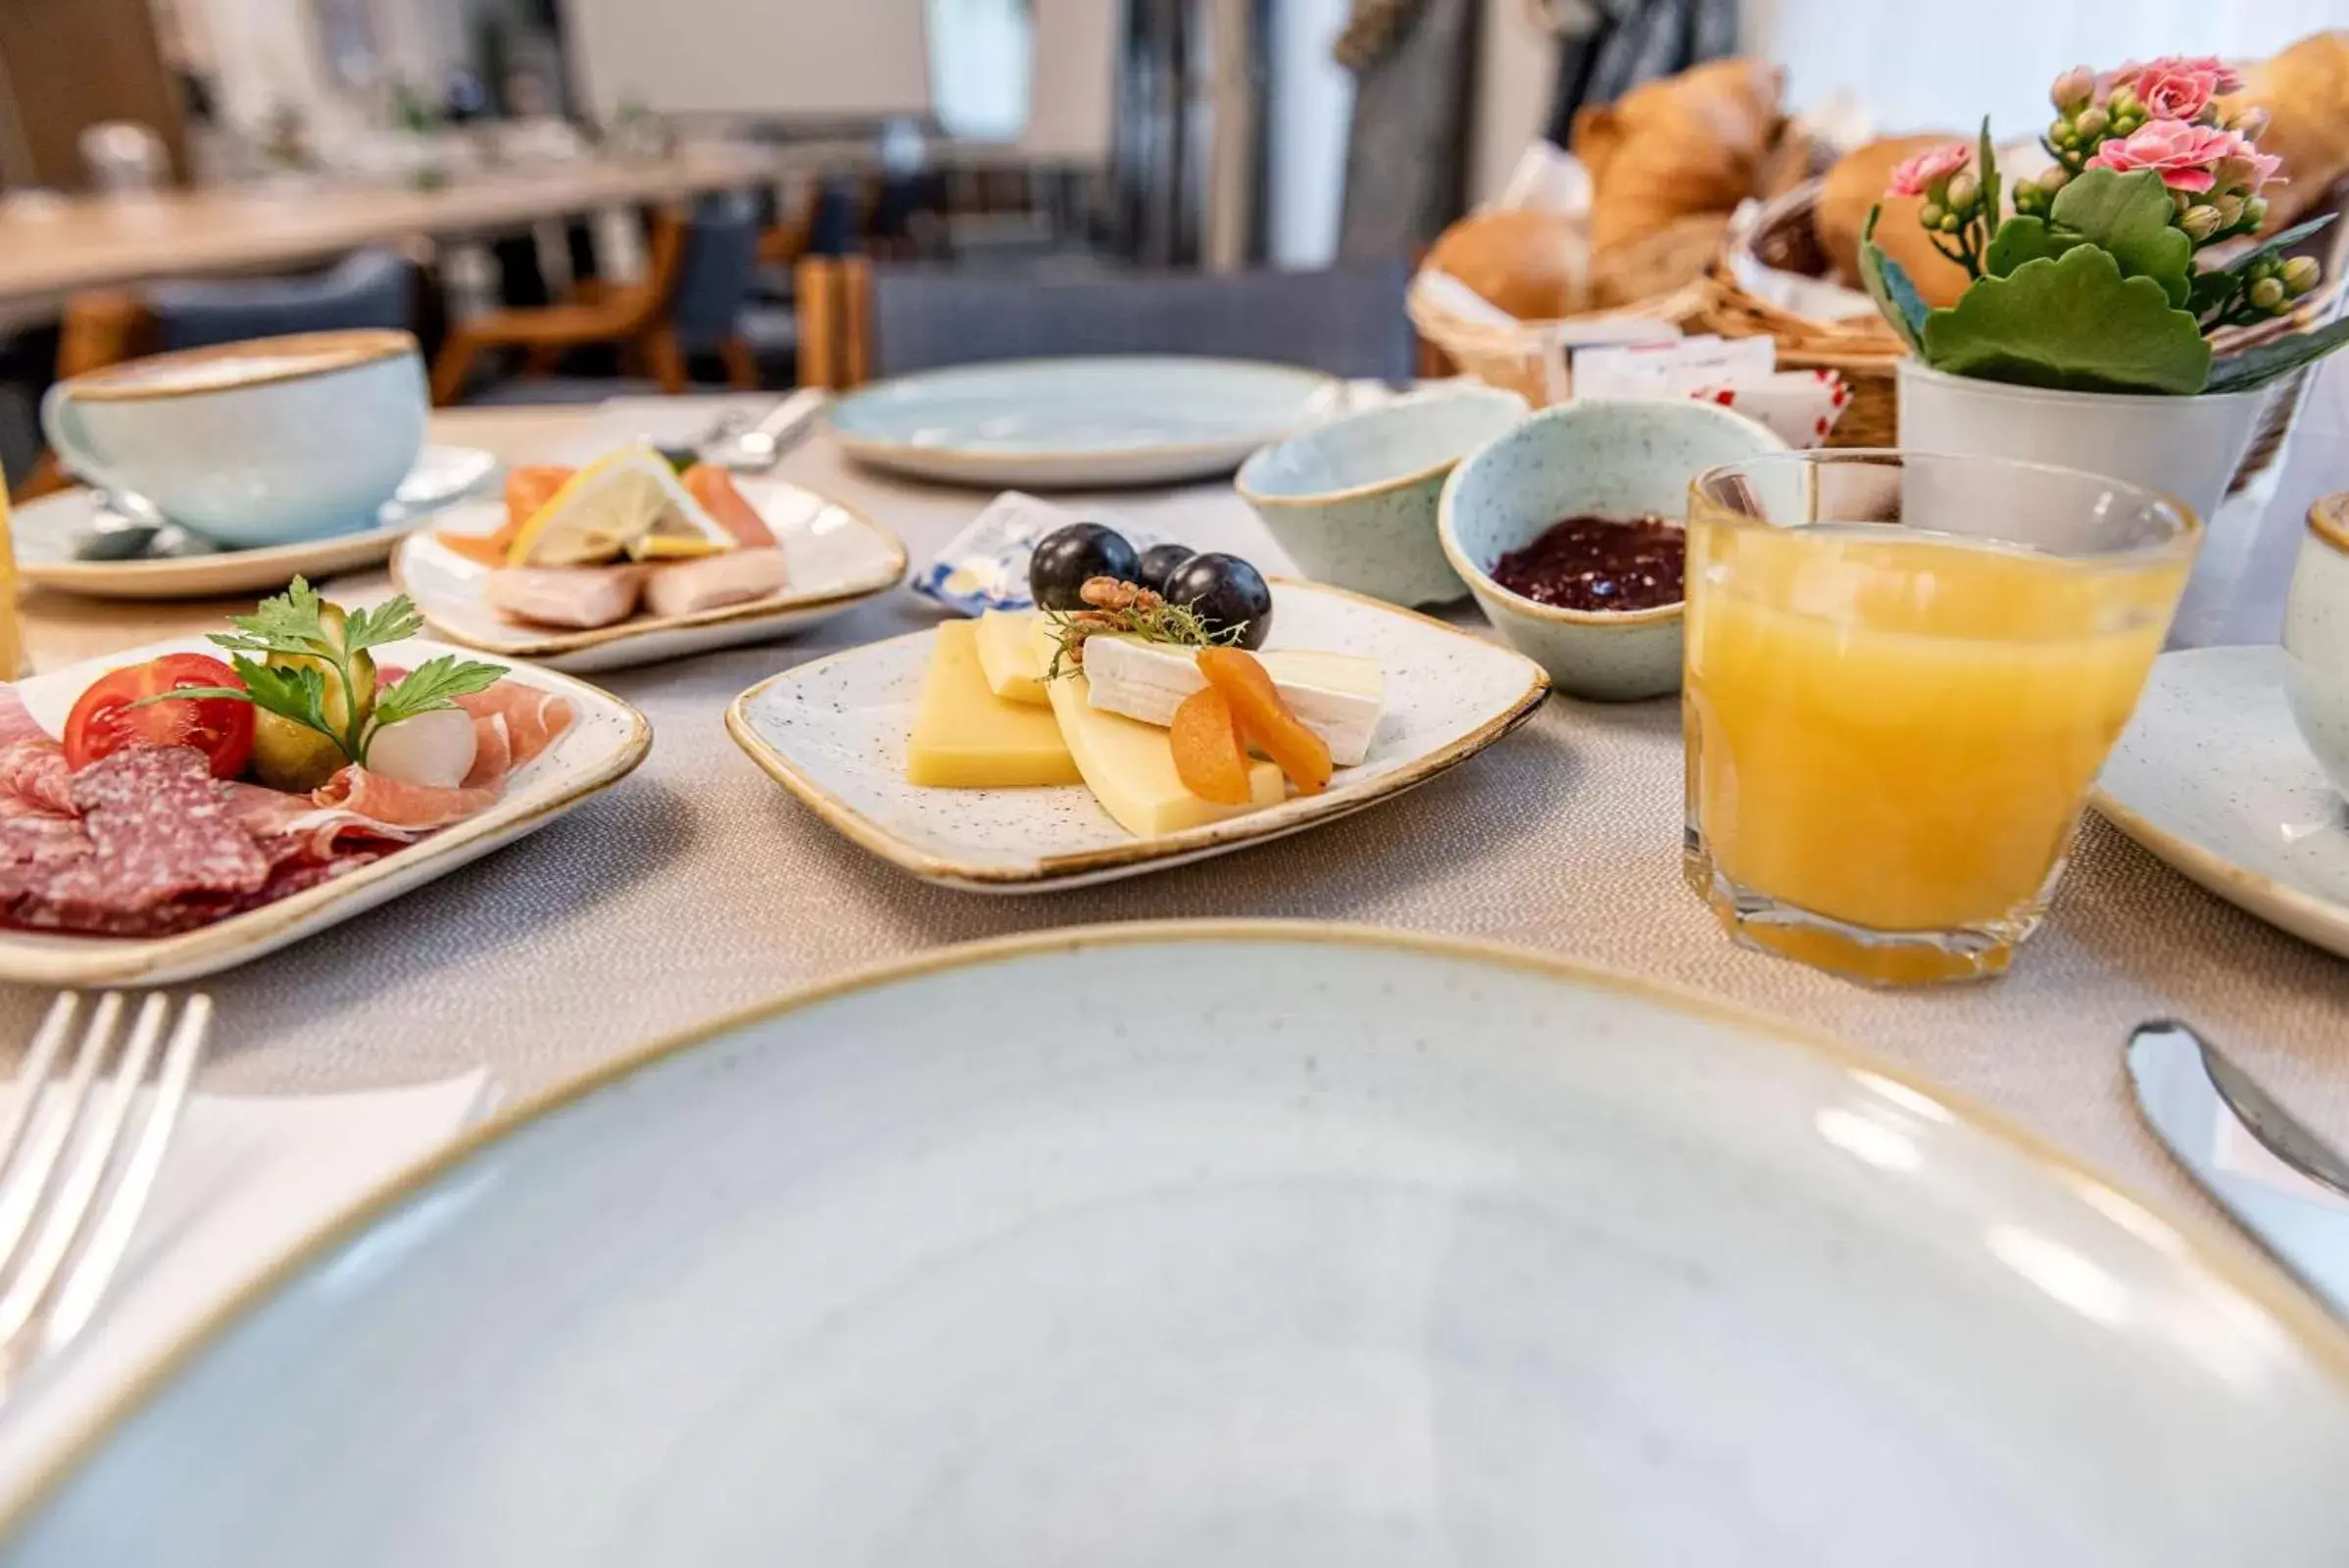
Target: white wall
(815, 59)
(1516, 72)
(1309, 106)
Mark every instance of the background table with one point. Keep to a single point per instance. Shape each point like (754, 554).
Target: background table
(698, 886)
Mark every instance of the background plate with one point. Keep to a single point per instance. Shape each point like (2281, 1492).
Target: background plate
(1055, 423)
(1257, 1247)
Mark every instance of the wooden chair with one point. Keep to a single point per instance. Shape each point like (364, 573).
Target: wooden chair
(859, 321)
(697, 276)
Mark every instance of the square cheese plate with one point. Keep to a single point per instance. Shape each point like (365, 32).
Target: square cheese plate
(838, 733)
(836, 559)
(591, 740)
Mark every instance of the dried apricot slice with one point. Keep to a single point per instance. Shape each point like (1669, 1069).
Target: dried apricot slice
(1208, 755)
(1265, 720)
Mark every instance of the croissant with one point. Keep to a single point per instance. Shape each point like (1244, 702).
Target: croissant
(1857, 184)
(1528, 263)
(2306, 92)
(1690, 143)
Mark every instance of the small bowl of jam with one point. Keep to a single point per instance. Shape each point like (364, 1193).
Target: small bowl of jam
(1567, 531)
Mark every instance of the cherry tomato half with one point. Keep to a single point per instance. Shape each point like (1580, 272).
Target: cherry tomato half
(103, 721)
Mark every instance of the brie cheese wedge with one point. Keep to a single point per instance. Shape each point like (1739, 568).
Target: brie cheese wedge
(1339, 697)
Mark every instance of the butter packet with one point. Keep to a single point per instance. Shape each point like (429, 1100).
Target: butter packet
(984, 567)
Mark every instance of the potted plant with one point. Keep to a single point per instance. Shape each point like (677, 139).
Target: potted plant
(2086, 337)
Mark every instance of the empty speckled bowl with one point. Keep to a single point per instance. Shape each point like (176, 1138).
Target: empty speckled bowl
(1600, 459)
(1354, 501)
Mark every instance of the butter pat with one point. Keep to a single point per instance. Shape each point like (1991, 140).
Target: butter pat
(967, 738)
(1009, 654)
(1130, 769)
(1339, 697)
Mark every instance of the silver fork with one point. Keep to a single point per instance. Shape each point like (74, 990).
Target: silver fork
(64, 1225)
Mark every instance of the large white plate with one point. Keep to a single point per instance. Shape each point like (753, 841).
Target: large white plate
(1112, 420)
(2213, 776)
(46, 531)
(605, 740)
(834, 733)
(1255, 1246)
(838, 558)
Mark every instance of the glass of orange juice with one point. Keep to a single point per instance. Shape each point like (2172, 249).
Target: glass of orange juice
(1904, 672)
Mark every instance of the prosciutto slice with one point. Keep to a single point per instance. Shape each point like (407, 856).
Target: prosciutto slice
(533, 719)
(410, 809)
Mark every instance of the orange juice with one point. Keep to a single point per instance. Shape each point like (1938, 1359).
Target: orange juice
(12, 620)
(1894, 731)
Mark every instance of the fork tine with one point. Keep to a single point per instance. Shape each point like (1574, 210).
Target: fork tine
(47, 1041)
(64, 1216)
(91, 1272)
(20, 1197)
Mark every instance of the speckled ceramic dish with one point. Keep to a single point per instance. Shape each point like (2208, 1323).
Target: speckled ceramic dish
(1608, 460)
(1354, 502)
(605, 740)
(834, 733)
(1257, 1245)
(838, 557)
(2316, 637)
(2213, 776)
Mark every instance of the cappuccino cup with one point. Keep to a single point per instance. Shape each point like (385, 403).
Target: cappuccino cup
(265, 442)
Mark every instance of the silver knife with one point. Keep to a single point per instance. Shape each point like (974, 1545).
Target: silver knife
(2190, 1092)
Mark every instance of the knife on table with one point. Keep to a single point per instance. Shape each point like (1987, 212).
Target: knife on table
(2210, 1115)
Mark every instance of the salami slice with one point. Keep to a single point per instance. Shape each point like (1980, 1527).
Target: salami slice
(164, 851)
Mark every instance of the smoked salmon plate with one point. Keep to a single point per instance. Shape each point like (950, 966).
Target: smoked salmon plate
(629, 560)
(184, 806)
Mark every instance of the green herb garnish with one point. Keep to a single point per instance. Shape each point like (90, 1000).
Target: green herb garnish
(302, 640)
(1144, 614)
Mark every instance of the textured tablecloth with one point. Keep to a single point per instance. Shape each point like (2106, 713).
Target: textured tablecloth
(698, 886)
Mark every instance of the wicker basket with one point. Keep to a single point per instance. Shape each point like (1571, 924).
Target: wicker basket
(1529, 358)
(1865, 352)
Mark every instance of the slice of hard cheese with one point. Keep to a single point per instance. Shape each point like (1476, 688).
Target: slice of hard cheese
(965, 737)
(1130, 767)
(1008, 654)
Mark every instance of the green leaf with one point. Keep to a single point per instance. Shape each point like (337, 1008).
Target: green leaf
(435, 684)
(289, 623)
(391, 621)
(2207, 291)
(1889, 284)
(2280, 243)
(2270, 362)
(2026, 239)
(297, 693)
(2070, 321)
(2128, 215)
(1987, 157)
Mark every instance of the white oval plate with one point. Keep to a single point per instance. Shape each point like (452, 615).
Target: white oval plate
(1257, 1245)
(834, 733)
(1108, 419)
(46, 530)
(606, 739)
(838, 559)
(2213, 776)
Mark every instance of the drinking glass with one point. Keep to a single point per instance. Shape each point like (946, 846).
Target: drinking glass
(1902, 674)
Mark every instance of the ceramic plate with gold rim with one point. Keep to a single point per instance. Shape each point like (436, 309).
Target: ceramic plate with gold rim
(1256, 1245)
(2213, 776)
(834, 733)
(603, 744)
(838, 558)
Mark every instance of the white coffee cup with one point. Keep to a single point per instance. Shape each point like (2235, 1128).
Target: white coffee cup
(257, 442)
(2315, 638)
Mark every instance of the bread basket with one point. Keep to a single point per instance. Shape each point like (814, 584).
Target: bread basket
(1529, 358)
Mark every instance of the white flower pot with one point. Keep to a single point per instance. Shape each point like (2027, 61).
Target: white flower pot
(2186, 448)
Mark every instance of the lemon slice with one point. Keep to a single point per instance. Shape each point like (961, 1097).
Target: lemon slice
(628, 503)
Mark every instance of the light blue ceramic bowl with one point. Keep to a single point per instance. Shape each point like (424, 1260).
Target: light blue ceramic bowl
(1354, 501)
(1600, 459)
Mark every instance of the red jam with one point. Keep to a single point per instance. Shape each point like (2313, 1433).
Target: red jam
(1600, 563)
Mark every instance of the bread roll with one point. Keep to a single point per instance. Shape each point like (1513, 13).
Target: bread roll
(1658, 263)
(2306, 92)
(1690, 143)
(1529, 264)
(1857, 184)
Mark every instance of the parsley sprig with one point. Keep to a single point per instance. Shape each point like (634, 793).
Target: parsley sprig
(296, 623)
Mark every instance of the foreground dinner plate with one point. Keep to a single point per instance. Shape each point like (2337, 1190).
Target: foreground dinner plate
(1111, 420)
(46, 532)
(606, 739)
(834, 733)
(1242, 1245)
(2212, 776)
(838, 559)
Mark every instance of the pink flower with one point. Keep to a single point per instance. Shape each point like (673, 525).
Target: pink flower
(1932, 166)
(2178, 87)
(2182, 155)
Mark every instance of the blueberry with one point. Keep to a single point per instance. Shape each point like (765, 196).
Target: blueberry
(1067, 557)
(1160, 562)
(1225, 592)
